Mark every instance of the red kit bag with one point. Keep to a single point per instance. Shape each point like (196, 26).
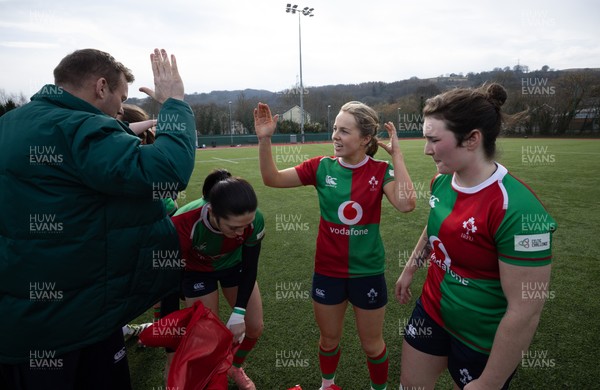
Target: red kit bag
(203, 348)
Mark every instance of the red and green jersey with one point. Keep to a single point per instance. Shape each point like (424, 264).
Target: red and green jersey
(470, 230)
(194, 204)
(348, 243)
(206, 249)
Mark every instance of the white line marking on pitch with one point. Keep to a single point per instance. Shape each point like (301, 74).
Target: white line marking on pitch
(222, 159)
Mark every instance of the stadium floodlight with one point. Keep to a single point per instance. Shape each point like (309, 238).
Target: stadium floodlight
(306, 12)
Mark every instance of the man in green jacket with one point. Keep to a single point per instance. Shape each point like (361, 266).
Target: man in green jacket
(85, 242)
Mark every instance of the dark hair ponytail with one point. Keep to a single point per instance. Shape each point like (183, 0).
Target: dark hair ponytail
(231, 196)
(214, 177)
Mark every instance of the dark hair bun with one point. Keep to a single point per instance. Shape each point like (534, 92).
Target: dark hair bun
(213, 178)
(496, 94)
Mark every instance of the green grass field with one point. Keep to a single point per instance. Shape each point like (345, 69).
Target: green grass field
(566, 347)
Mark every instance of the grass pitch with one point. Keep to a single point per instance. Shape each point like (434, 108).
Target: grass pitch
(565, 350)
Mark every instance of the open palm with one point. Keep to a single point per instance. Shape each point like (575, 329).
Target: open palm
(264, 122)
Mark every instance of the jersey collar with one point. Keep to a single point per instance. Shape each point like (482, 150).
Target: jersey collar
(496, 177)
(205, 220)
(351, 166)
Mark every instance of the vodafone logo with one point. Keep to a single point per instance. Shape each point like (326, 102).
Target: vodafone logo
(441, 258)
(350, 212)
(439, 251)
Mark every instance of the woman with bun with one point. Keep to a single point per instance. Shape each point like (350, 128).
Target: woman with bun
(488, 269)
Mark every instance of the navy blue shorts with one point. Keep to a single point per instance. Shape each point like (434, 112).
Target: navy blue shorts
(425, 335)
(368, 292)
(197, 284)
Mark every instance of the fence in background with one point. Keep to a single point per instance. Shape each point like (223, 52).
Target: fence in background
(228, 140)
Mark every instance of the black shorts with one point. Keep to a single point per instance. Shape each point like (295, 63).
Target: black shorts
(368, 292)
(197, 284)
(425, 335)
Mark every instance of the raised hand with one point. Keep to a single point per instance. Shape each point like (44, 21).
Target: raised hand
(392, 146)
(264, 122)
(167, 81)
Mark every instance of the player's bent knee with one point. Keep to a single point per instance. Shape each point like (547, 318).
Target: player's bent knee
(254, 331)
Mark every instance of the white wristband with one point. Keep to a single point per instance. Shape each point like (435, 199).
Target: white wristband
(237, 316)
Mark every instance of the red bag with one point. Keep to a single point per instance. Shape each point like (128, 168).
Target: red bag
(203, 348)
(168, 331)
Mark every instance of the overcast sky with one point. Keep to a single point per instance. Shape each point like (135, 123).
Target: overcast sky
(236, 44)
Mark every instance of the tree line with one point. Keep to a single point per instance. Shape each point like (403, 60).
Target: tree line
(557, 102)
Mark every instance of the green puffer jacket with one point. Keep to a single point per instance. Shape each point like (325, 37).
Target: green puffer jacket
(85, 243)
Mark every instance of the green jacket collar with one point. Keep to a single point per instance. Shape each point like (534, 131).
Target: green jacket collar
(58, 96)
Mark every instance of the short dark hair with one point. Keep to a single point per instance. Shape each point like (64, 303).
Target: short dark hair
(75, 68)
(466, 109)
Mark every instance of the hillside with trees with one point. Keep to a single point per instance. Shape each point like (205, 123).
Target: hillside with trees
(558, 102)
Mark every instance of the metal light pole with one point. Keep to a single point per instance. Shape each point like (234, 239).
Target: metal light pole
(399, 118)
(328, 121)
(306, 12)
(230, 128)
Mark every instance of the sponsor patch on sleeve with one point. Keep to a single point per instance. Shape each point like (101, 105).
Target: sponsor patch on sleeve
(532, 242)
